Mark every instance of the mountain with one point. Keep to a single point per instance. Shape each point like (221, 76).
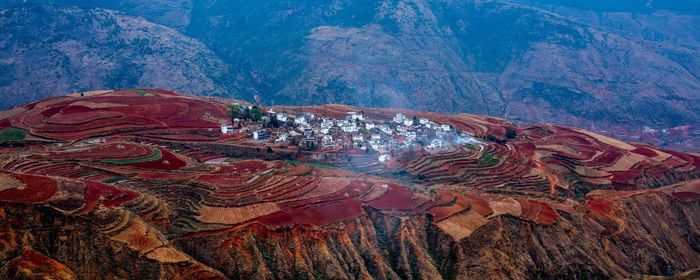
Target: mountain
(142, 183)
(608, 67)
(47, 50)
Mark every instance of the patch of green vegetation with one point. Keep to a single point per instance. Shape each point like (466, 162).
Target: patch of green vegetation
(13, 134)
(471, 147)
(156, 156)
(487, 159)
(571, 178)
(312, 164)
(114, 180)
(85, 174)
(142, 92)
(232, 159)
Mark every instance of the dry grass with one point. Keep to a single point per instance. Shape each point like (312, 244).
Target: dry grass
(462, 225)
(7, 183)
(167, 255)
(626, 162)
(235, 215)
(608, 140)
(507, 206)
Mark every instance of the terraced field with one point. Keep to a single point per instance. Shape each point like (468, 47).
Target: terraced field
(132, 174)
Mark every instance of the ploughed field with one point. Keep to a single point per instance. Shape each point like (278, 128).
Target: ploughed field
(139, 183)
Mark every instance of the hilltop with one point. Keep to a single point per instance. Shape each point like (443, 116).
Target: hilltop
(151, 184)
(613, 68)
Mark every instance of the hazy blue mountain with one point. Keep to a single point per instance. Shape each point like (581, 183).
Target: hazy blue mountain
(570, 62)
(48, 50)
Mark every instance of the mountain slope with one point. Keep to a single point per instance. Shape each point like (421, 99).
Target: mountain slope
(142, 184)
(49, 49)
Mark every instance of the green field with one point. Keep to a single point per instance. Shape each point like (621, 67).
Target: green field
(156, 156)
(13, 134)
(312, 164)
(487, 159)
(142, 92)
(114, 180)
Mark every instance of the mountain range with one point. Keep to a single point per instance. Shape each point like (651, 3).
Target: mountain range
(600, 65)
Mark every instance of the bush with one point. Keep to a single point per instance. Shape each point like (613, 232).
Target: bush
(511, 134)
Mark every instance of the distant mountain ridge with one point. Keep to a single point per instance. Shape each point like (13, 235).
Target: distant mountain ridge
(573, 63)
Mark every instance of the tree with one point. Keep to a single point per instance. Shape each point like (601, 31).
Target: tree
(256, 114)
(511, 134)
(269, 150)
(235, 112)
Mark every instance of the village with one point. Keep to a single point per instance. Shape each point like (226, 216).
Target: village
(356, 133)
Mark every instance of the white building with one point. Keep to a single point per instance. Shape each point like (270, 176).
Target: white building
(261, 134)
(408, 122)
(376, 137)
(308, 115)
(386, 129)
(327, 141)
(352, 116)
(358, 138)
(301, 120)
(348, 127)
(384, 157)
(369, 126)
(282, 117)
(399, 118)
(445, 127)
(423, 121)
(435, 144)
(226, 129)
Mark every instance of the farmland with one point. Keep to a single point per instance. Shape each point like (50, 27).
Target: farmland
(147, 174)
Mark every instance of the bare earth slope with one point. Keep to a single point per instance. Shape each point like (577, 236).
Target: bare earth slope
(141, 184)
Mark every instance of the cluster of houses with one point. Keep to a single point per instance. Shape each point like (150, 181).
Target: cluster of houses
(355, 131)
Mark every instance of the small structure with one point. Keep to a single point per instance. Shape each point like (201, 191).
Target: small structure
(226, 129)
(399, 118)
(423, 121)
(353, 116)
(301, 120)
(358, 138)
(308, 133)
(384, 158)
(348, 126)
(282, 116)
(408, 122)
(369, 126)
(445, 128)
(261, 134)
(327, 141)
(435, 144)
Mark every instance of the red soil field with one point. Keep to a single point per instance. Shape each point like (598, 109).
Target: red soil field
(248, 166)
(479, 204)
(314, 215)
(38, 189)
(398, 198)
(107, 195)
(5, 123)
(110, 151)
(168, 161)
(686, 196)
(645, 152)
(221, 180)
(599, 206)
